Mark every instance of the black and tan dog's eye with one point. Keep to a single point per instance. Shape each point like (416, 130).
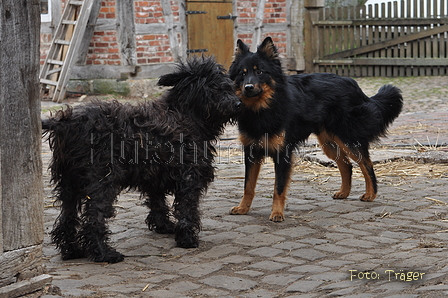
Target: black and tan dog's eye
(258, 72)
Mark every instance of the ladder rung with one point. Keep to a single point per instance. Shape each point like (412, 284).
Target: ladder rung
(56, 62)
(73, 2)
(48, 82)
(53, 71)
(61, 41)
(68, 22)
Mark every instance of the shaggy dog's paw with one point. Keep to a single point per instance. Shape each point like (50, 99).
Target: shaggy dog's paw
(112, 256)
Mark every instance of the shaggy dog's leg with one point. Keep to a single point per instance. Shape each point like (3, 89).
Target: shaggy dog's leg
(94, 234)
(158, 218)
(64, 233)
(186, 211)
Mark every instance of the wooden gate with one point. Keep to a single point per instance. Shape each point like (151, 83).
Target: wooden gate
(400, 38)
(210, 29)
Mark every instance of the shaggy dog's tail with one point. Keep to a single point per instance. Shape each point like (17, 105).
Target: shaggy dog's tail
(56, 122)
(386, 105)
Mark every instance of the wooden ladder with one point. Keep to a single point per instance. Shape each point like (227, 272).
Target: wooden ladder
(55, 72)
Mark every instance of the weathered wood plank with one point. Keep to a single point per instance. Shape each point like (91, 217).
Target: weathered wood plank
(386, 61)
(85, 43)
(24, 287)
(126, 32)
(387, 43)
(17, 262)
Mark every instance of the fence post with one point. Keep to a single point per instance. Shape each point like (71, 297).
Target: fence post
(311, 33)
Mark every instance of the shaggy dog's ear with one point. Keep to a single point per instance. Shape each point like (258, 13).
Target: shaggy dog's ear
(268, 48)
(170, 79)
(241, 48)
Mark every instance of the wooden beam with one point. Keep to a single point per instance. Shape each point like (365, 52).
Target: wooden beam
(258, 26)
(126, 32)
(387, 43)
(387, 61)
(384, 22)
(24, 287)
(88, 34)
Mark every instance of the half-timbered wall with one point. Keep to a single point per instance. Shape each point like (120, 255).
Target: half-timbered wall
(143, 39)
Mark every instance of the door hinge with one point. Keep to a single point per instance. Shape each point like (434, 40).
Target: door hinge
(195, 12)
(197, 51)
(228, 17)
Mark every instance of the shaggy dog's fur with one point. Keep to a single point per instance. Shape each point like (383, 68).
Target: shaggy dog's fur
(279, 112)
(158, 148)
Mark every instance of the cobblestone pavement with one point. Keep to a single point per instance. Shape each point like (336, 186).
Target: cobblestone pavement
(396, 246)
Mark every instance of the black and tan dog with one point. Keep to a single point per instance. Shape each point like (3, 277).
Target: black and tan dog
(161, 147)
(279, 112)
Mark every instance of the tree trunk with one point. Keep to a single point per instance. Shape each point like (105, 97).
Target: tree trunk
(21, 196)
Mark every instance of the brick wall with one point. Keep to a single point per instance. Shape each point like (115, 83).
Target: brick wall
(153, 48)
(274, 20)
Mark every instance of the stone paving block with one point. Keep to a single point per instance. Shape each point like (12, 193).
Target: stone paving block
(331, 222)
(265, 252)
(200, 269)
(281, 279)
(333, 248)
(251, 273)
(229, 283)
(183, 286)
(169, 266)
(308, 254)
(219, 251)
(309, 269)
(338, 236)
(259, 293)
(294, 232)
(289, 260)
(258, 239)
(222, 237)
(251, 229)
(268, 265)
(357, 243)
(303, 286)
(164, 294)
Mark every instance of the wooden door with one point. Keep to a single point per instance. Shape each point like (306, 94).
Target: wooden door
(210, 29)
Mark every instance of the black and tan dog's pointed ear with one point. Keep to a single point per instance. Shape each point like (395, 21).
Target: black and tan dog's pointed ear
(241, 48)
(268, 48)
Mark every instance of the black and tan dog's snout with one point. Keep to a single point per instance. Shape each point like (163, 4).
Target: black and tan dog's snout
(251, 90)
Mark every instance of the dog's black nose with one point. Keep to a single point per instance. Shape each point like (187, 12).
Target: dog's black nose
(238, 104)
(249, 87)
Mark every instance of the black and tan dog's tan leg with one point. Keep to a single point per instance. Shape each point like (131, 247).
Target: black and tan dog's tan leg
(283, 168)
(336, 153)
(360, 154)
(252, 170)
(366, 166)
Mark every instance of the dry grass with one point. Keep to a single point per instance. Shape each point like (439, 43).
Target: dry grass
(390, 171)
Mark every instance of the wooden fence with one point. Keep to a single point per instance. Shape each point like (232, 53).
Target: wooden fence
(400, 38)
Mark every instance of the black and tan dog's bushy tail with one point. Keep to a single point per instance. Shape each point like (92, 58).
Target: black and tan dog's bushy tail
(386, 105)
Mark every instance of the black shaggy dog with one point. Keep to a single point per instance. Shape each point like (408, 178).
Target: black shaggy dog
(158, 148)
(279, 112)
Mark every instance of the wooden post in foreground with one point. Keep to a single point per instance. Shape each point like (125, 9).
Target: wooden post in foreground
(21, 196)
